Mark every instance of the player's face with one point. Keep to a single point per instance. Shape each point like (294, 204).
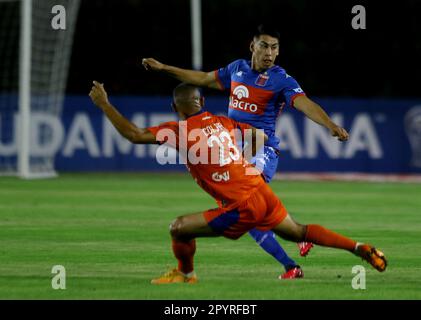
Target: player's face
(264, 50)
(191, 101)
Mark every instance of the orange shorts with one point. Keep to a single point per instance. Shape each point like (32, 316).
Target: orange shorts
(263, 210)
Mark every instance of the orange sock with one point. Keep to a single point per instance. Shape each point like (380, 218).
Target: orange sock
(325, 237)
(184, 252)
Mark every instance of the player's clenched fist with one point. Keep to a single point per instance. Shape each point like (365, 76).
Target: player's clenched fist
(339, 132)
(98, 94)
(152, 64)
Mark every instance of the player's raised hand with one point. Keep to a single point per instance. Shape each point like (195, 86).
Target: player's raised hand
(98, 94)
(339, 132)
(152, 64)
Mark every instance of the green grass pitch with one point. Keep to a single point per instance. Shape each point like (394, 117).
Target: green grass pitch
(110, 232)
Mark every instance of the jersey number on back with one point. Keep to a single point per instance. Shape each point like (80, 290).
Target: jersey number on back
(224, 141)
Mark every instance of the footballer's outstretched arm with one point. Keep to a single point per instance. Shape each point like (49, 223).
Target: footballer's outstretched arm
(126, 128)
(197, 78)
(259, 139)
(315, 112)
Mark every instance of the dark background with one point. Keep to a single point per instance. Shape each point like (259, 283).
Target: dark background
(318, 45)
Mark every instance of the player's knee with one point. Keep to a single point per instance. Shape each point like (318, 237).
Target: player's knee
(174, 228)
(256, 234)
(300, 232)
(260, 236)
(177, 228)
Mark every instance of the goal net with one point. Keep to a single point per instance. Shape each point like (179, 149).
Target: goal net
(34, 63)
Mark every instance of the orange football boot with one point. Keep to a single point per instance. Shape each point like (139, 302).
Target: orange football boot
(174, 276)
(373, 256)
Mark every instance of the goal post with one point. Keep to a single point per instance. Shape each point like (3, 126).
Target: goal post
(24, 102)
(34, 64)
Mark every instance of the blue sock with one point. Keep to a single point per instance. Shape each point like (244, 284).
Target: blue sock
(266, 239)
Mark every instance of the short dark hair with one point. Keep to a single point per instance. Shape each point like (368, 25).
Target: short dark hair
(184, 88)
(267, 30)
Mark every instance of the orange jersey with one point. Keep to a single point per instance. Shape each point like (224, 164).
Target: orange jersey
(209, 146)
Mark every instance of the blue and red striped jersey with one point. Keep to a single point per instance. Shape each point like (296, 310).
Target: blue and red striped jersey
(256, 98)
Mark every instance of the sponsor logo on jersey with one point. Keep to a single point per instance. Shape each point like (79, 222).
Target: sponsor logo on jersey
(218, 177)
(241, 92)
(249, 99)
(298, 90)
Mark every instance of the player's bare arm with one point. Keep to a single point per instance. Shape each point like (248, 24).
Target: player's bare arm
(259, 138)
(197, 78)
(314, 112)
(126, 128)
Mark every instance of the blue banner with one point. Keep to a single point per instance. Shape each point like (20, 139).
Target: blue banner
(385, 136)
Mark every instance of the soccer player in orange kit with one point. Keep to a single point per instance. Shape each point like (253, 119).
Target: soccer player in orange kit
(213, 159)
